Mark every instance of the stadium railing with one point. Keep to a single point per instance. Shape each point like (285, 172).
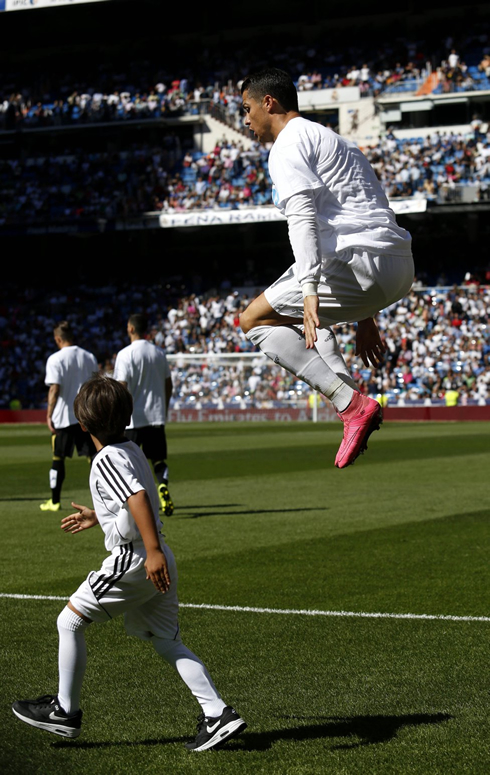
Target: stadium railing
(240, 387)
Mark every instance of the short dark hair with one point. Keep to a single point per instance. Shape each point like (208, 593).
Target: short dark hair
(140, 323)
(104, 407)
(64, 330)
(275, 82)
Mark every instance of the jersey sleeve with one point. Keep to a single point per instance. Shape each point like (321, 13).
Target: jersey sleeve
(304, 238)
(121, 368)
(117, 478)
(53, 372)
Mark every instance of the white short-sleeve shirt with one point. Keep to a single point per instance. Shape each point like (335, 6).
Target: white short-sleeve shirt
(69, 368)
(144, 368)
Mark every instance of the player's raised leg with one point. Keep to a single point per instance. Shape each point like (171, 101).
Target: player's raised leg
(281, 339)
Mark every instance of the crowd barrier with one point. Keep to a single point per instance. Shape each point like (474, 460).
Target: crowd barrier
(391, 413)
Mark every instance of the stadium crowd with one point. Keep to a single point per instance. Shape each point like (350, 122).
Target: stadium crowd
(43, 187)
(438, 345)
(145, 89)
(143, 178)
(438, 338)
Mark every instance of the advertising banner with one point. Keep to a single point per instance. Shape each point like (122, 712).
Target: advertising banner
(29, 5)
(224, 217)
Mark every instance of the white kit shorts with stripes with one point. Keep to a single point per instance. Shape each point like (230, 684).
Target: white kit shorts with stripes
(120, 587)
(354, 285)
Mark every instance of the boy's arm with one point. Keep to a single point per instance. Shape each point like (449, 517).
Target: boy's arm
(82, 519)
(155, 564)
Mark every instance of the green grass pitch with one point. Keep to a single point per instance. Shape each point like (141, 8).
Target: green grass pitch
(266, 527)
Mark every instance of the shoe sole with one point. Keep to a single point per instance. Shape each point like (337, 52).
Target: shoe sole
(55, 729)
(232, 729)
(374, 425)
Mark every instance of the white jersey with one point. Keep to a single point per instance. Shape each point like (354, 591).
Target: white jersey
(119, 471)
(69, 368)
(350, 205)
(144, 368)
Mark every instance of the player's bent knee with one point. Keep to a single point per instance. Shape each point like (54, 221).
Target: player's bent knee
(247, 321)
(70, 619)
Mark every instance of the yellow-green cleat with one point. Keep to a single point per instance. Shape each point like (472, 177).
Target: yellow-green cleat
(50, 506)
(166, 503)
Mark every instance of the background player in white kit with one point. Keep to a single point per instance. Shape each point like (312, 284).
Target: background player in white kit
(351, 257)
(144, 369)
(66, 371)
(138, 579)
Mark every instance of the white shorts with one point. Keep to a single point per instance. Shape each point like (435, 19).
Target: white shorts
(121, 587)
(354, 285)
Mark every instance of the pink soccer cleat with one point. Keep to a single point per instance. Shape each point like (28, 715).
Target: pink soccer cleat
(363, 416)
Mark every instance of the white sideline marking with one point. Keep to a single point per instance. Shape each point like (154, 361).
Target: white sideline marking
(290, 611)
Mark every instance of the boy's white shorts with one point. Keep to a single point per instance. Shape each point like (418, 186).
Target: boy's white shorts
(354, 285)
(121, 587)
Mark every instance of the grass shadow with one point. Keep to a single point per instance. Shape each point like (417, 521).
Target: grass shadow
(247, 512)
(369, 730)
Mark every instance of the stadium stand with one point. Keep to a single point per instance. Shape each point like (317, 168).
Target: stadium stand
(112, 140)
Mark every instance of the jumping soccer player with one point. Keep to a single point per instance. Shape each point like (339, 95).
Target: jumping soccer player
(143, 368)
(351, 257)
(138, 578)
(66, 371)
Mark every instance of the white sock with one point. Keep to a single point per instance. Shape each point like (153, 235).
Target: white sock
(193, 672)
(72, 659)
(328, 347)
(286, 346)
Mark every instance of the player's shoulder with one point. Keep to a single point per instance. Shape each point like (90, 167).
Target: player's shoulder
(150, 349)
(53, 358)
(86, 353)
(125, 351)
(120, 453)
(307, 136)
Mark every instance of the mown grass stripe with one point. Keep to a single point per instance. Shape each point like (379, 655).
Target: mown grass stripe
(290, 611)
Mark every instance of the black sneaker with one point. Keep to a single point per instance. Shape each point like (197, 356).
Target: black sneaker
(46, 713)
(211, 732)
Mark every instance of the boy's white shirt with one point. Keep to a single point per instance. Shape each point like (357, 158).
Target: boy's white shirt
(119, 471)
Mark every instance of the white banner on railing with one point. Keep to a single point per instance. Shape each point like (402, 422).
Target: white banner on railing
(266, 214)
(402, 206)
(29, 5)
(220, 217)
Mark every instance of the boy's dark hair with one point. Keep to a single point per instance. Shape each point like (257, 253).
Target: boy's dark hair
(64, 331)
(275, 82)
(140, 323)
(104, 407)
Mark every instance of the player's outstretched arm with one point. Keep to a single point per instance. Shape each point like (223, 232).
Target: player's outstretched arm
(155, 564)
(369, 344)
(82, 519)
